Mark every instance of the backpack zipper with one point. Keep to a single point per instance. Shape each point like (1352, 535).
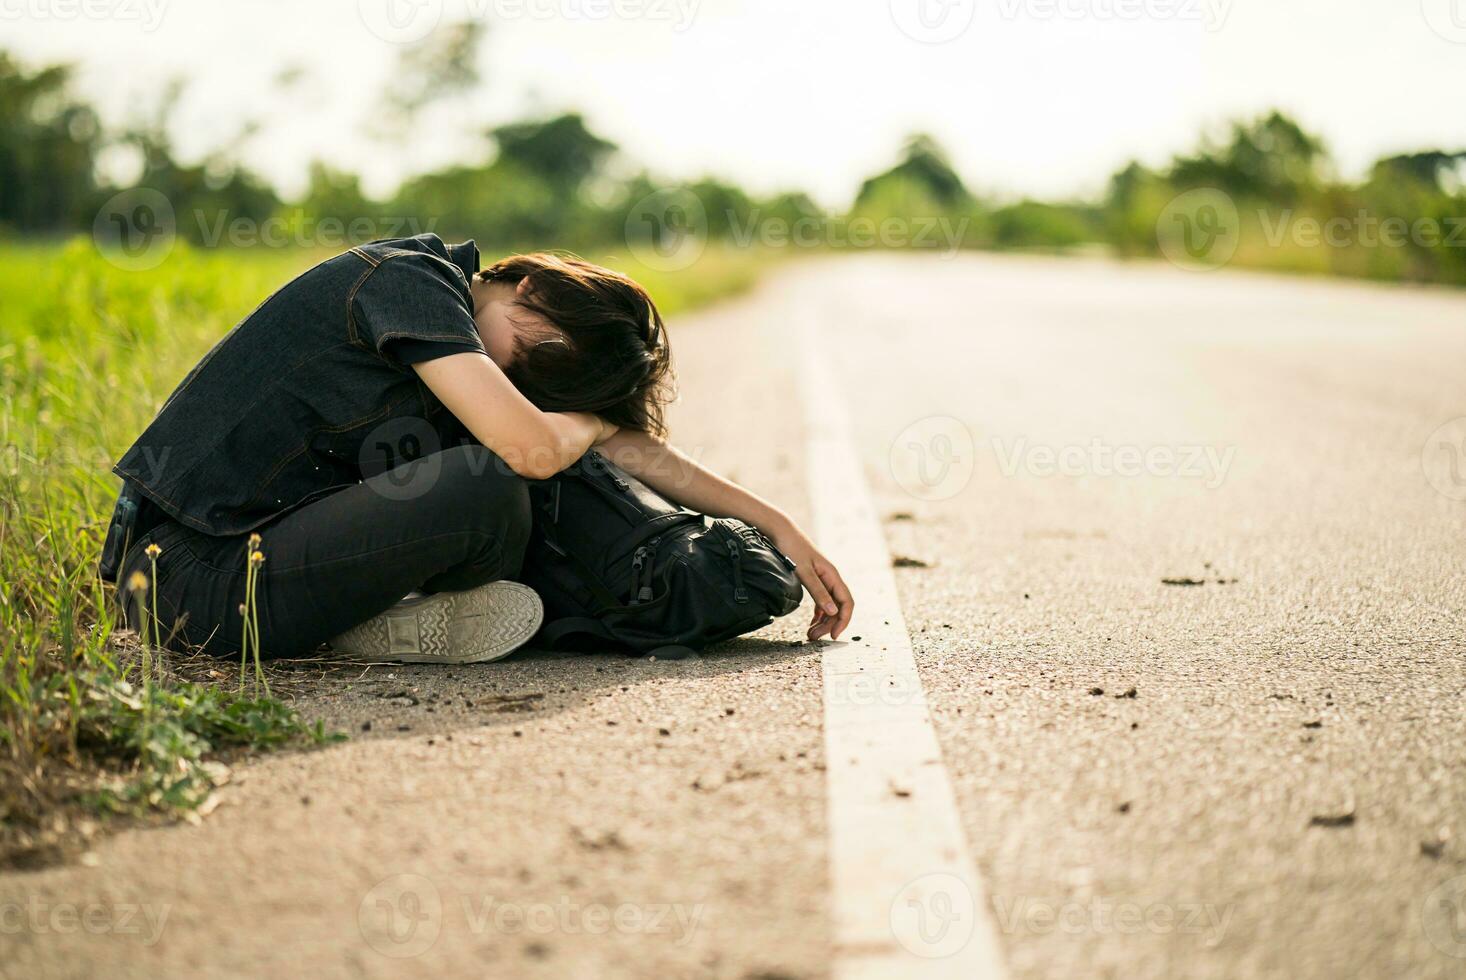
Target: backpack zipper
(734, 544)
(622, 500)
(641, 572)
(638, 560)
(598, 462)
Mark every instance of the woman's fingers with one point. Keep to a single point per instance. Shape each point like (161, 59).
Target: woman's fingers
(809, 574)
(840, 592)
(833, 604)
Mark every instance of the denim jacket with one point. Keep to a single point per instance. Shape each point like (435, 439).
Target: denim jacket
(304, 396)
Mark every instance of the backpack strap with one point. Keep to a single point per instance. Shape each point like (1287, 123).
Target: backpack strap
(604, 596)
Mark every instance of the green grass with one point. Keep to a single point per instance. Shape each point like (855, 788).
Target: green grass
(88, 353)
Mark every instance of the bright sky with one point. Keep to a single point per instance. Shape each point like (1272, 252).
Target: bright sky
(1043, 97)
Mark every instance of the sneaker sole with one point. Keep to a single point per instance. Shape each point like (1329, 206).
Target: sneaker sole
(470, 627)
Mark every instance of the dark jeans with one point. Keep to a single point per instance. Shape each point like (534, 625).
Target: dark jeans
(447, 522)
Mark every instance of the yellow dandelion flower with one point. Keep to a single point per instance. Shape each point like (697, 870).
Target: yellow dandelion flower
(138, 582)
(153, 551)
(254, 541)
(257, 557)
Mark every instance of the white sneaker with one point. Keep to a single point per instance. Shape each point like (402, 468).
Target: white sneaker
(474, 626)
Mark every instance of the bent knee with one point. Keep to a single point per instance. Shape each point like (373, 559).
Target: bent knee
(478, 486)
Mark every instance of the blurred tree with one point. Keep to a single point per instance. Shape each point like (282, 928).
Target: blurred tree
(216, 201)
(442, 66)
(1271, 159)
(792, 213)
(728, 208)
(48, 147)
(1131, 207)
(500, 204)
(924, 166)
(1037, 224)
(530, 196)
(336, 194)
(550, 186)
(790, 206)
(560, 150)
(1434, 168)
(1426, 193)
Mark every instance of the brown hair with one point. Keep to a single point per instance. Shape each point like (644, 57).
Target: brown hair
(613, 358)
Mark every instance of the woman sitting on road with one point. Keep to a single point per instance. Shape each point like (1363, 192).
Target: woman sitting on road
(374, 422)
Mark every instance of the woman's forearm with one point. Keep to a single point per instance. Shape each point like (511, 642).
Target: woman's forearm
(680, 478)
(533, 443)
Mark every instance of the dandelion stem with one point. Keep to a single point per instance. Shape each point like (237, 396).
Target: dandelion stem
(244, 615)
(153, 552)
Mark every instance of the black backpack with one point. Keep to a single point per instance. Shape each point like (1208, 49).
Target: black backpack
(618, 565)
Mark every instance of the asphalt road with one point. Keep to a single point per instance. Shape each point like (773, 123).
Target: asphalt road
(1262, 774)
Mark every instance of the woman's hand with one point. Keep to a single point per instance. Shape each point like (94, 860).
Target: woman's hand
(833, 604)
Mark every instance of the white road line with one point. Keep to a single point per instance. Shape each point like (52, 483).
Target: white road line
(907, 900)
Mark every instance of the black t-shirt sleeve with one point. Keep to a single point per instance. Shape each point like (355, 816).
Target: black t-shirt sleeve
(409, 350)
(414, 298)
